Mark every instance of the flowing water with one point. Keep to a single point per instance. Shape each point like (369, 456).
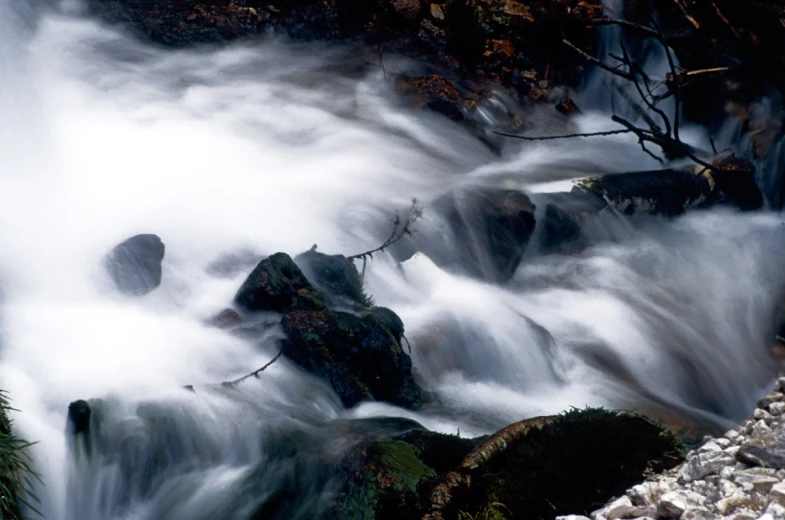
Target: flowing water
(235, 153)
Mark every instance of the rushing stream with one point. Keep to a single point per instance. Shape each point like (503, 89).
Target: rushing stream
(235, 153)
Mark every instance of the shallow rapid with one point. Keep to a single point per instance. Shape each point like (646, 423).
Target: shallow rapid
(235, 153)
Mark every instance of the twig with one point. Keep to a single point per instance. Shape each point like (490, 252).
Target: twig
(623, 23)
(255, 373)
(399, 230)
(687, 15)
(591, 59)
(725, 20)
(565, 136)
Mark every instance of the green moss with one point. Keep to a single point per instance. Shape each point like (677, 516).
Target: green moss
(399, 459)
(570, 465)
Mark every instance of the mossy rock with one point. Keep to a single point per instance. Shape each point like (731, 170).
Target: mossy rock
(568, 464)
(359, 357)
(277, 284)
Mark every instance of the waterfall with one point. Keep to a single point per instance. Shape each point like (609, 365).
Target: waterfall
(231, 154)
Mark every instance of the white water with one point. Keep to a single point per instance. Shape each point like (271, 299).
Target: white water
(274, 146)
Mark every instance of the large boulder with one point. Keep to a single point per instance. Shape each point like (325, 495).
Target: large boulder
(359, 357)
(672, 192)
(135, 264)
(277, 284)
(493, 226)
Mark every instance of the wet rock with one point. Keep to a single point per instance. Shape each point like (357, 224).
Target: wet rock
(359, 357)
(389, 320)
(568, 107)
(672, 192)
(79, 413)
(494, 225)
(226, 319)
(561, 464)
(558, 229)
(277, 284)
(135, 264)
(337, 276)
(435, 92)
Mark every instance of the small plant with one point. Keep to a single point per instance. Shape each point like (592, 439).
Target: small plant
(493, 511)
(17, 477)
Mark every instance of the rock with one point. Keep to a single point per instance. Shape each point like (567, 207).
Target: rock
(555, 465)
(675, 503)
(389, 478)
(495, 226)
(568, 107)
(697, 513)
(617, 508)
(559, 227)
(572, 517)
(770, 398)
(79, 413)
(777, 408)
(359, 357)
(277, 284)
(435, 92)
(736, 183)
(389, 320)
(777, 493)
(135, 264)
(649, 493)
(765, 450)
(337, 276)
(761, 414)
(226, 319)
(704, 464)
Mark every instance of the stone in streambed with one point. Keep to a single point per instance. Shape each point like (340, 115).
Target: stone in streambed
(337, 276)
(79, 413)
(359, 357)
(135, 264)
(277, 284)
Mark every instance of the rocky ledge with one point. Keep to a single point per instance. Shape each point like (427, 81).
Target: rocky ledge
(739, 476)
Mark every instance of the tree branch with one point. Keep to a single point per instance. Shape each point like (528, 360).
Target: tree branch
(255, 373)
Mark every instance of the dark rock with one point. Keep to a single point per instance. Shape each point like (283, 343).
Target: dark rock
(672, 192)
(277, 284)
(226, 319)
(337, 276)
(545, 467)
(79, 413)
(389, 320)
(494, 225)
(435, 92)
(568, 107)
(135, 264)
(558, 229)
(359, 357)
(389, 478)
(736, 182)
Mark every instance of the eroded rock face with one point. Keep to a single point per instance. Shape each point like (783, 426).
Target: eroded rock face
(359, 357)
(135, 264)
(277, 284)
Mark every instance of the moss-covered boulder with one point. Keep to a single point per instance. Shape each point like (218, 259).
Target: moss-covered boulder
(277, 284)
(389, 479)
(544, 467)
(359, 357)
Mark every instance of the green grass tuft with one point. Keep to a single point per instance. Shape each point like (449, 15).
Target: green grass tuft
(17, 477)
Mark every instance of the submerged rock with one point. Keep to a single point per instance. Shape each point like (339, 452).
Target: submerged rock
(435, 92)
(493, 226)
(359, 357)
(135, 264)
(277, 284)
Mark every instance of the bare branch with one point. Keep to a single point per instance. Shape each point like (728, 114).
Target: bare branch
(623, 23)
(565, 136)
(591, 59)
(687, 15)
(400, 229)
(255, 373)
